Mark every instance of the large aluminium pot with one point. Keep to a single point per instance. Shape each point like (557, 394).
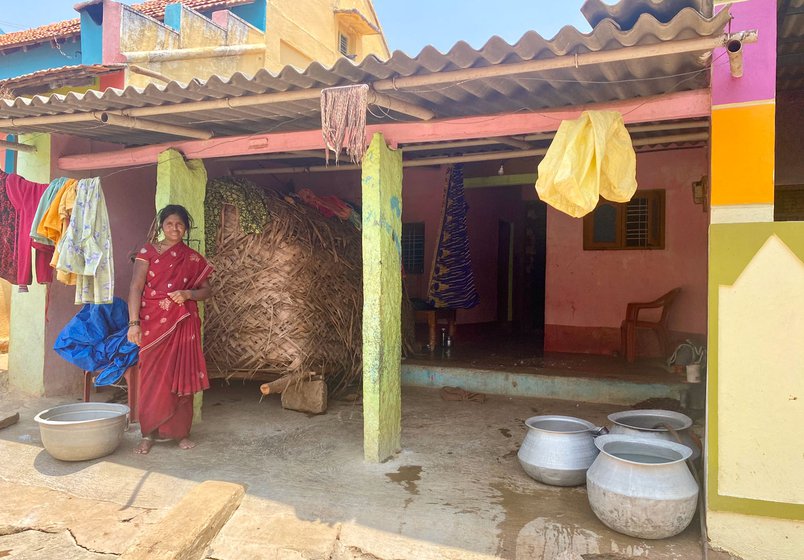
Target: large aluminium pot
(650, 424)
(557, 450)
(82, 431)
(642, 488)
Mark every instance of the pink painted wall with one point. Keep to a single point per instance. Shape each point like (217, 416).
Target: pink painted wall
(590, 289)
(130, 202)
(759, 59)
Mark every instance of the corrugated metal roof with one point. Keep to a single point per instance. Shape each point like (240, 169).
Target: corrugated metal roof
(71, 27)
(790, 46)
(522, 92)
(62, 74)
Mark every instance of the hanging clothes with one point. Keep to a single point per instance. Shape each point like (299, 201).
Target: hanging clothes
(8, 234)
(452, 282)
(44, 246)
(86, 247)
(24, 196)
(54, 224)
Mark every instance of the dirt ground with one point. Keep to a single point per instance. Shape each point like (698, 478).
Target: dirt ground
(455, 490)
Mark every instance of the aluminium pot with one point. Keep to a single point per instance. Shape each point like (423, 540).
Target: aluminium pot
(82, 431)
(650, 424)
(557, 450)
(642, 488)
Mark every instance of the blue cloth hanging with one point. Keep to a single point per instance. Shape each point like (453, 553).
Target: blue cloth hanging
(96, 340)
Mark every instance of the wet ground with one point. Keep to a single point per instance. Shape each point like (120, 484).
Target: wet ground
(455, 490)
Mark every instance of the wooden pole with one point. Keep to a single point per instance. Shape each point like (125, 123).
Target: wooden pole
(17, 147)
(150, 73)
(140, 124)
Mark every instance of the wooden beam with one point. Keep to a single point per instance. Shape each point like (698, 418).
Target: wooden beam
(488, 156)
(150, 73)
(688, 104)
(17, 147)
(142, 124)
(513, 142)
(400, 106)
(499, 181)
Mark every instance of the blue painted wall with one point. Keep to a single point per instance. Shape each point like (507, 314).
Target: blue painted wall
(39, 57)
(256, 14)
(91, 39)
(173, 16)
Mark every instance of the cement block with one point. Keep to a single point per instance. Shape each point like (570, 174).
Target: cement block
(188, 529)
(307, 396)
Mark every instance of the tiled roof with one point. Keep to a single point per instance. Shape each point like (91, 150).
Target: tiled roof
(70, 27)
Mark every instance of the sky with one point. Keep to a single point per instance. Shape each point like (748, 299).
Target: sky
(409, 25)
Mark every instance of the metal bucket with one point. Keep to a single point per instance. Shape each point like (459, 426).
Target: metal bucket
(82, 431)
(642, 488)
(557, 450)
(649, 424)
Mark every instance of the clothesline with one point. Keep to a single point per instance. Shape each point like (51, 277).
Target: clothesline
(66, 223)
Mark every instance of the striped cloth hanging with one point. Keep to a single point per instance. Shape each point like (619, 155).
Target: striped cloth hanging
(452, 283)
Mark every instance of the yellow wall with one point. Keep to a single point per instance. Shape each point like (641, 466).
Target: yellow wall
(298, 33)
(751, 537)
(310, 28)
(5, 311)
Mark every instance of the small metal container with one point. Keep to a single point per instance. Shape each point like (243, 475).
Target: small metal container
(82, 431)
(649, 424)
(557, 450)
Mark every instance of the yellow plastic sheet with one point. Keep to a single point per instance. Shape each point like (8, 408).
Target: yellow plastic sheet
(589, 157)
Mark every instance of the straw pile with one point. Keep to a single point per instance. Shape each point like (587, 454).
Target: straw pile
(288, 298)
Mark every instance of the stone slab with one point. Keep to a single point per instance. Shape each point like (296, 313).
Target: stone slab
(188, 529)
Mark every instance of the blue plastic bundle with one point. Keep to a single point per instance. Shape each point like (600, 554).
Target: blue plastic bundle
(96, 340)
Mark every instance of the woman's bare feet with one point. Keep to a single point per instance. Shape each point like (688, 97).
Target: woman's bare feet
(144, 447)
(186, 444)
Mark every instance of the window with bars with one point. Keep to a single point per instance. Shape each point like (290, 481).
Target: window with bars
(637, 224)
(413, 247)
(343, 44)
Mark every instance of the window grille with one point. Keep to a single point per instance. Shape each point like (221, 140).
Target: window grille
(413, 247)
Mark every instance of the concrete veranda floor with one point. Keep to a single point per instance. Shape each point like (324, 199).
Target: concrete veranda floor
(455, 490)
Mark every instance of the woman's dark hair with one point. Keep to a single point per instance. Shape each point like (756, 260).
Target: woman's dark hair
(161, 216)
(164, 214)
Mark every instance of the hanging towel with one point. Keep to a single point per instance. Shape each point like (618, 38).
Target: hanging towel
(8, 234)
(589, 157)
(24, 196)
(86, 247)
(96, 340)
(44, 246)
(452, 282)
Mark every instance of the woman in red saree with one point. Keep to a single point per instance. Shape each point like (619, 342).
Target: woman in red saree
(169, 278)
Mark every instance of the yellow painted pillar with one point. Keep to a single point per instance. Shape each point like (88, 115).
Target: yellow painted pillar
(382, 298)
(179, 181)
(26, 352)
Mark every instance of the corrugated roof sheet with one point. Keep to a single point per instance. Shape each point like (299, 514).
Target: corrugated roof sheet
(63, 73)
(522, 92)
(68, 28)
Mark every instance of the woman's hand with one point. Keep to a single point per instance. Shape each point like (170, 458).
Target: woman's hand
(180, 296)
(135, 335)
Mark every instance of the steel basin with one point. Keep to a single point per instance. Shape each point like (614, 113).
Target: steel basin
(557, 450)
(648, 424)
(82, 431)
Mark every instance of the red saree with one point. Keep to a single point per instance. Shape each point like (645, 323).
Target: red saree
(172, 366)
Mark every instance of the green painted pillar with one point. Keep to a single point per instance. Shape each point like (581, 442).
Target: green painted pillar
(179, 181)
(382, 297)
(26, 352)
